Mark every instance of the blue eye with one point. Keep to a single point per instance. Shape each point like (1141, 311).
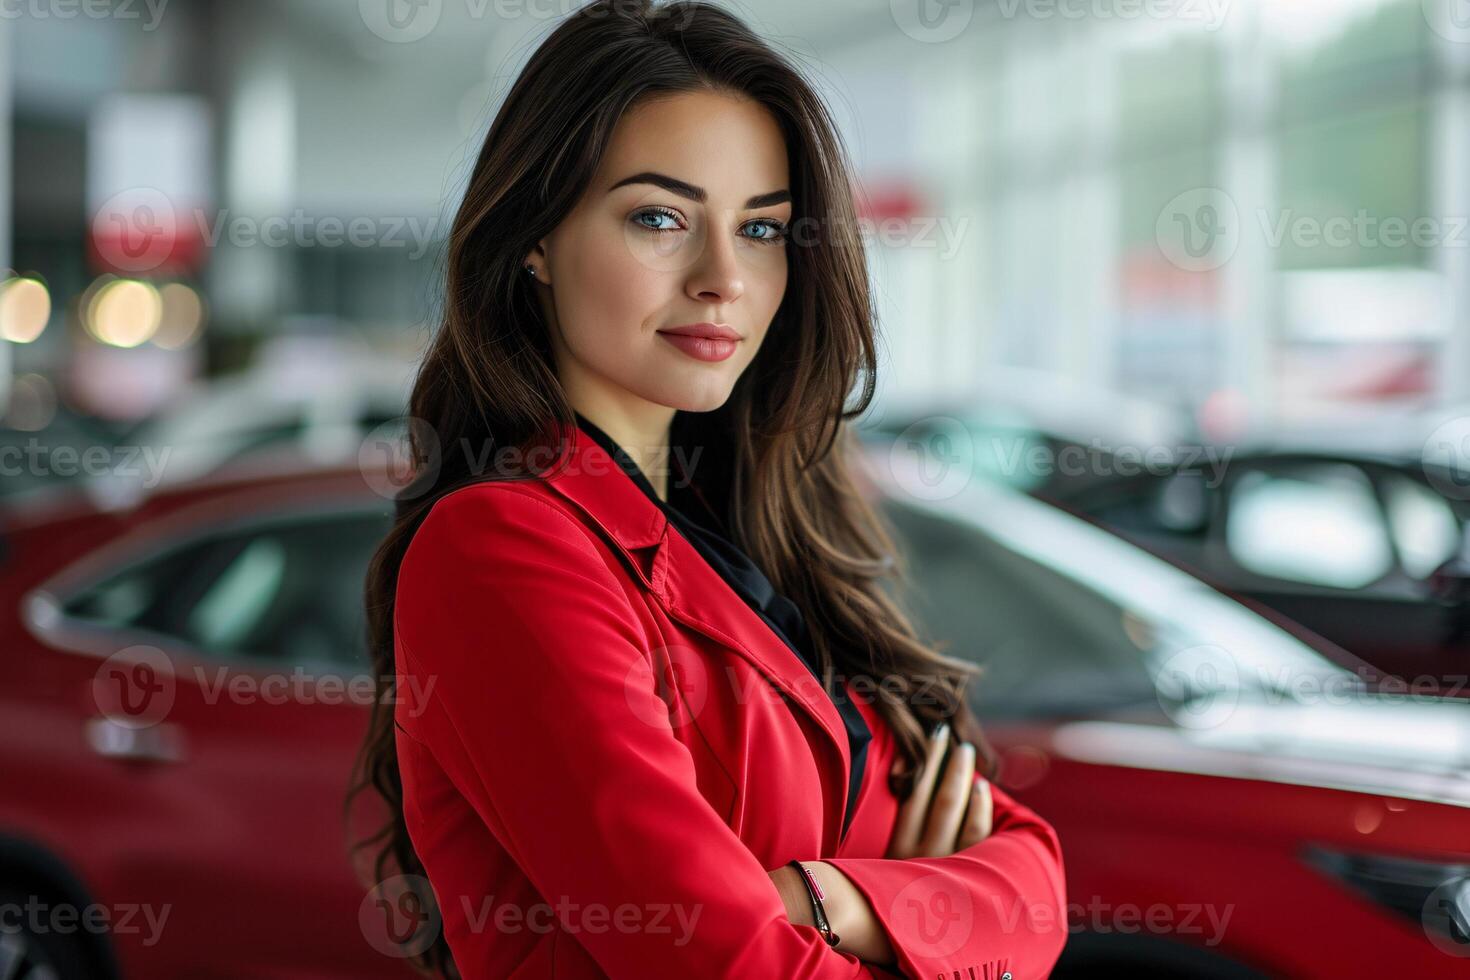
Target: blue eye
(656, 213)
(777, 231)
(648, 219)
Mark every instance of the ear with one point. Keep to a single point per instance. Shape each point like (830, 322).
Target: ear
(536, 259)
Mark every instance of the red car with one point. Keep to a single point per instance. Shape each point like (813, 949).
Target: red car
(185, 699)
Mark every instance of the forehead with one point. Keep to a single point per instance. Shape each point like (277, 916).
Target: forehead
(732, 147)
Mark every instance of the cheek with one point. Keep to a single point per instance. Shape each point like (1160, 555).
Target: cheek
(768, 283)
(775, 278)
(604, 295)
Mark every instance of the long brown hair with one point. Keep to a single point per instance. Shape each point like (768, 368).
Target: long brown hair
(776, 453)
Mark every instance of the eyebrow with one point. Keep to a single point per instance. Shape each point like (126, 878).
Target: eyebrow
(698, 194)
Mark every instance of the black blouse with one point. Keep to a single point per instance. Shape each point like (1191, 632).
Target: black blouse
(743, 575)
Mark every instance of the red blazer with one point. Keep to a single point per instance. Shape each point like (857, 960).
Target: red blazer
(615, 749)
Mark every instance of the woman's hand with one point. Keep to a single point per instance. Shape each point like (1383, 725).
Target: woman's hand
(941, 816)
(944, 813)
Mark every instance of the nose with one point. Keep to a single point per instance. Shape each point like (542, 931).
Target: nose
(716, 277)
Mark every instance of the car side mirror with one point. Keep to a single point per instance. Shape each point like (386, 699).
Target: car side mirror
(1182, 503)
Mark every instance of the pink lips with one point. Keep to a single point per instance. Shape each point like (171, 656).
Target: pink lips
(703, 341)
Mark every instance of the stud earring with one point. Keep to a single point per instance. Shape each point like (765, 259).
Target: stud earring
(532, 270)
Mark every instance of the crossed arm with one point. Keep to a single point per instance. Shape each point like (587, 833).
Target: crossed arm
(506, 604)
(947, 812)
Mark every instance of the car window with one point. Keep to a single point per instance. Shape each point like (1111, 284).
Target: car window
(1313, 523)
(289, 592)
(1048, 644)
(1424, 527)
(1176, 505)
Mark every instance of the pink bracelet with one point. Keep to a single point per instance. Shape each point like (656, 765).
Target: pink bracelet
(819, 912)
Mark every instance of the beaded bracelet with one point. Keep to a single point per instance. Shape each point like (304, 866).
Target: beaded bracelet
(819, 913)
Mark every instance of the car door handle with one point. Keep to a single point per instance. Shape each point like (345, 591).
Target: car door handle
(161, 742)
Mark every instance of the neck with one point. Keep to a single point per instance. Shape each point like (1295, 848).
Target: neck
(644, 438)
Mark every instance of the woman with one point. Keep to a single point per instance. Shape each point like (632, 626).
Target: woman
(671, 724)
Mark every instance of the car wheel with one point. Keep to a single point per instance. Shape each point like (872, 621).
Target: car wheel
(27, 953)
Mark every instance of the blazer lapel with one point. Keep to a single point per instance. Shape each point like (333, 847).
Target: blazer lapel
(692, 593)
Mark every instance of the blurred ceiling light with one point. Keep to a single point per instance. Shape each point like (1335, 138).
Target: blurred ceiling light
(88, 299)
(25, 308)
(125, 313)
(183, 317)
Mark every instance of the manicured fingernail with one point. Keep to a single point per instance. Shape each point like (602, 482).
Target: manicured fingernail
(942, 732)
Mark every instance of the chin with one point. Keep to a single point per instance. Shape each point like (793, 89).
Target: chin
(695, 396)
